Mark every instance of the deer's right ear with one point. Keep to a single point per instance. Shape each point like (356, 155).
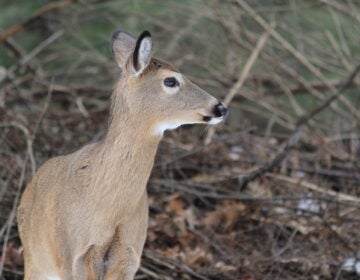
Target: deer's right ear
(142, 52)
(123, 45)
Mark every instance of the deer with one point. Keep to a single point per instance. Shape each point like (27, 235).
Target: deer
(84, 215)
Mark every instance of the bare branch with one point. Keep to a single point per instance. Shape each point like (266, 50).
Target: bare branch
(295, 137)
(243, 76)
(46, 9)
(287, 46)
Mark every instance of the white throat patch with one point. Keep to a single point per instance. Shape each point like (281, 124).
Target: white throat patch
(214, 121)
(161, 127)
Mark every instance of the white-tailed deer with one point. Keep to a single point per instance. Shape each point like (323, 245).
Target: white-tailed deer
(85, 215)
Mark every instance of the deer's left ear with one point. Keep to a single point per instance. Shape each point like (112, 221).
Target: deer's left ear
(142, 52)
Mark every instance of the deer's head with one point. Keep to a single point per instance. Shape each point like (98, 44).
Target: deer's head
(156, 92)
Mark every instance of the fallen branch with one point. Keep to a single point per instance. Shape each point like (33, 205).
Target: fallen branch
(330, 173)
(294, 138)
(46, 9)
(201, 191)
(314, 187)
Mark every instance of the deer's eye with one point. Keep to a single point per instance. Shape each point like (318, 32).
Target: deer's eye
(171, 82)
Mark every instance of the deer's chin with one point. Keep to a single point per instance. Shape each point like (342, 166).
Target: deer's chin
(161, 127)
(215, 121)
(212, 120)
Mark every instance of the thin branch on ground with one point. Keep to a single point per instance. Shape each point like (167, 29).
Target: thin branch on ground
(314, 187)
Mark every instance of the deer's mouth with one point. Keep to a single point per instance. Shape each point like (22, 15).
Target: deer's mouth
(219, 112)
(206, 118)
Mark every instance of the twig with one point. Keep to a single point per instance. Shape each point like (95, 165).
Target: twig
(29, 141)
(294, 138)
(330, 173)
(174, 265)
(301, 89)
(314, 187)
(196, 190)
(30, 138)
(13, 213)
(29, 155)
(307, 86)
(299, 56)
(243, 76)
(44, 110)
(273, 60)
(41, 46)
(342, 9)
(158, 261)
(46, 9)
(13, 271)
(337, 50)
(179, 34)
(330, 99)
(290, 94)
(148, 272)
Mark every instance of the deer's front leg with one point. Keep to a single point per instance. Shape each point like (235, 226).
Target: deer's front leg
(123, 264)
(90, 264)
(123, 257)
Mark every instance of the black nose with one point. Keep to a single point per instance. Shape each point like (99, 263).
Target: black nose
(220, 110)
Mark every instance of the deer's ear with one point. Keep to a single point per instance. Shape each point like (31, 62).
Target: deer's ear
(123, 45)
(142, 52)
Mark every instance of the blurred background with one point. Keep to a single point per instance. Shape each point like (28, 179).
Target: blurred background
(262, 196)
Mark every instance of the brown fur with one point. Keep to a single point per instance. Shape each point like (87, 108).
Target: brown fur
(155, 64)
(85, 215)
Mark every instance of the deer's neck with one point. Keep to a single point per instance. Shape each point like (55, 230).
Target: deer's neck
(126, 155)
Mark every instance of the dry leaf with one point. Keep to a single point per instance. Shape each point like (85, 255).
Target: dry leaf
(13, 256)
(176, 206)
(196, 256)
(226, 214)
